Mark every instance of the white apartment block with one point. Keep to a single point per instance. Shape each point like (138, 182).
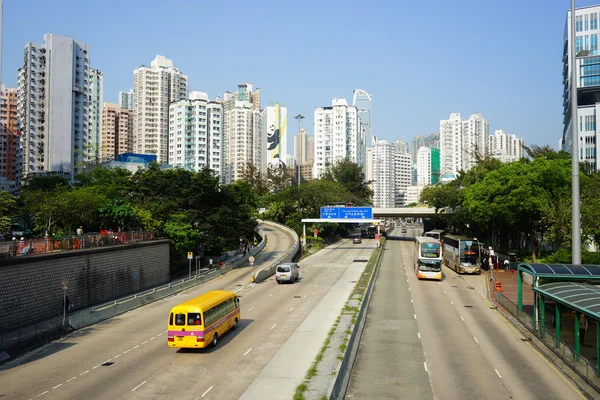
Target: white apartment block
(413, 194)
(242, 142)
(53, 106)
(195, 133)
(383, 174)
(304, 148)
(96, 100)
(461, 142)
(401, 146)
(339, 135)
(402, 175)
(274, 139)
(424, 166)
(154, 89)
(117, 131)
(506, 147)
(126, 100)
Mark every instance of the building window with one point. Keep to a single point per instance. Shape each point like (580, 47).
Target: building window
(578, 44)
(578, 23)
(593, 21)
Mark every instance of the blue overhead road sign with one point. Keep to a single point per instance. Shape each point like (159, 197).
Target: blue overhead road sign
(346, 212)
(330, 212)
(356, 212)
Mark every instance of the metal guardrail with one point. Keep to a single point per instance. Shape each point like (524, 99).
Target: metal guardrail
(582, 366)
(264, 273)
(343, 378)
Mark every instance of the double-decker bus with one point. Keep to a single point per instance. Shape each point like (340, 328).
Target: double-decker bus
(428, 258)
(437, 234)
(461, 254)
(201, 321)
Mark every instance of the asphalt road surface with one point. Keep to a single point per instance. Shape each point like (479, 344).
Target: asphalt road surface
(127, 357)
(441, 340)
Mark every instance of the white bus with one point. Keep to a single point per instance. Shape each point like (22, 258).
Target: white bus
(428, 258)
(462, 254)
(437, 234)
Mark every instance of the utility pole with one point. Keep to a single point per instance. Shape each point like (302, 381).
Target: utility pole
(575, 195)
(299, 117)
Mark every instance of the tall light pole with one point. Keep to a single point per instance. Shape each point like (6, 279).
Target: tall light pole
(299, 117)
(575, 197)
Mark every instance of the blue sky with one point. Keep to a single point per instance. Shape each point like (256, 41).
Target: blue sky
(420, 60)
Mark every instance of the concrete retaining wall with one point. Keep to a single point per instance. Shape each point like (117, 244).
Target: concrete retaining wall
(31, 289)
(264, 273)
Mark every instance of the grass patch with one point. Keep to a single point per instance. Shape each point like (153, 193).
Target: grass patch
(299, 394)
(343, 347)
(324, 397)
(341, 358)
(312, 371)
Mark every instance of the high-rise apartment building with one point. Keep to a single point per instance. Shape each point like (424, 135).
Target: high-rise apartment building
(363, 103)
(53, 106)
(242, 142)
(432, 141)
(428, 166)
(339, 135)
(401, 146)
(461, 142)
(9, 139)
(383, 174)
(402, 176)
(303, 148)
(195, 133)
(273, 135)
(588, 84)
(154, 89)
(126, 100)
(96, 100)
(505, 146)
(117, 131)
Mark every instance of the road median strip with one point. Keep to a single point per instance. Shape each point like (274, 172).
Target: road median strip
(319, 383)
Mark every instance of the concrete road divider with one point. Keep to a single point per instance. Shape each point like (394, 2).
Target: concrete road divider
(266, 272)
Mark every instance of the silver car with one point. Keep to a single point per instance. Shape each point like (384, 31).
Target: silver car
(287, 272)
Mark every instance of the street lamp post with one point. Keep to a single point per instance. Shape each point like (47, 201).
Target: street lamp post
(575, 196)
(299, 117)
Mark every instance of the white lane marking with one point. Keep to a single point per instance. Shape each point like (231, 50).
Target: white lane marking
(409, 289)
(461, 317)
(210, 388)
(76, 377)
(97, 366)
(407, 279)
(324, 278)
(83, 373)
(498, 373)
(334, 269)
(145, 342)
(305, 296)
(419, 335)
(424, 363)
(316, 285)
(57, 386)
(411, 300)
(251, 308)
(444, 290)
(118, 355)
(290, 309)
(439, 283)
(248, 351)
(165, 331)
(41, 394)
(135, 347)
(474, 336)
(127, 351)
(415, 315)
(451, 302)
(272, 293)
(152, 338)
(140, 385)
(273, 326)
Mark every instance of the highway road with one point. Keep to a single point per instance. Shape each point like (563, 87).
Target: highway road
(127, 357)
(441, 340)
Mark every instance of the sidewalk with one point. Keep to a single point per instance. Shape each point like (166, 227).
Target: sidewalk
(567, 331)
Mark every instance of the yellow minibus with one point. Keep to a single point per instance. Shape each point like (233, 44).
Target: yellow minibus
(201, 321)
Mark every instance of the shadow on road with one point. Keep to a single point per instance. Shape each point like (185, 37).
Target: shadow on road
(223, 340)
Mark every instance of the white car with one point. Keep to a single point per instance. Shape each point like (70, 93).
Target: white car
(287, 272)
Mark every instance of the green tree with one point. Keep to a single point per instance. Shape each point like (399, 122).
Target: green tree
(352, 177)
(256, 179)
(8, 204)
